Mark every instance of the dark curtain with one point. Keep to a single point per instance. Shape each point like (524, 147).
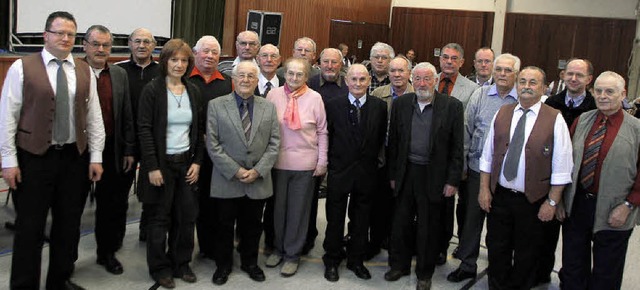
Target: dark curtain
(195, 18)
(4, 25)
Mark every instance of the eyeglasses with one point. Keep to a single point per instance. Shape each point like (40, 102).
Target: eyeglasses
(295, 75)
(267, 55)
(250, 77)
(571, 74)
(145, 41)
(97, 45)
(426, 79)
(63, 34)
(609, 92)
(482, 61)
(249, 43)
(448, 57)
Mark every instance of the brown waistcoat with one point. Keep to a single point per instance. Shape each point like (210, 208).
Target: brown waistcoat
(38, 106)
(538, 150)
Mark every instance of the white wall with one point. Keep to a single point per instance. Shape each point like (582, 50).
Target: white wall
(591, 8)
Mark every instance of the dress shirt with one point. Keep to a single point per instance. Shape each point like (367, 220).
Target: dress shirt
(486, 83)
(11, 104)
(576, 101)
(375, 82)
(239, 100)
(362, 99)
(262, 83)
(441, 83)
(561, 162)
(483, 105)
(395, 94)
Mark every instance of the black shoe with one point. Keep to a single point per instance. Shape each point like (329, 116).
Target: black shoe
(360, 271)
(186, 275)
(68, 285)
(110, 263)
(331, 273)
(455, 252)
(255, 273)
(166, 282)
(221, 276)
(394, 275)
(459, 275)
(442, 259)
(423, 285)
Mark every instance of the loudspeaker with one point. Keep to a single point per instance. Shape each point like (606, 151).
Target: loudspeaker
(266, 24)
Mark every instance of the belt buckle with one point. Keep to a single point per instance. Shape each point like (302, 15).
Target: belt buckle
(589, 195)
(58, 146)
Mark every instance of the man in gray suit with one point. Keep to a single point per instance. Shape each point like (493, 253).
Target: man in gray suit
(242, 140)
(112, 191)
(452, 83)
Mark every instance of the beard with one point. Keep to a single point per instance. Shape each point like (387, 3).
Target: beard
(424, 95)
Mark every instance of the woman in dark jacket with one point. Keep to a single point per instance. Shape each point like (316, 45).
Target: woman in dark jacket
(170, 131)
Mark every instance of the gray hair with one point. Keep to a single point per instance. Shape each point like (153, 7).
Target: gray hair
(516, 60)
(313, 43)
(251, 32)
(456, 47)
(99, 28)
(620, 82)
(425, 65)
(206, 38)
(331, 49)
(269, 45)
(142, 29)
(234, 71)
(402, 57)
(378, 46)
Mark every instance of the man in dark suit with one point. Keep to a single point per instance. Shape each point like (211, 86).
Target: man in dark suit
(357, 128)
(425, 165)
(112, 191)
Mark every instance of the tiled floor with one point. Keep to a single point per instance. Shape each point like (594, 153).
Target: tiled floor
(310, 274)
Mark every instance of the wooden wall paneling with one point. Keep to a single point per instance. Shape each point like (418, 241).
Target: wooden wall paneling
(427, 29)
(350, 32)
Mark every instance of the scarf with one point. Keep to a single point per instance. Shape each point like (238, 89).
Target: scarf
(291, 114)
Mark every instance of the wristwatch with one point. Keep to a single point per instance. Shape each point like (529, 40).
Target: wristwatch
(552, 202)
(629, 205)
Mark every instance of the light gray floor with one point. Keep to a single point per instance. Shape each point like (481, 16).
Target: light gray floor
(310, 274)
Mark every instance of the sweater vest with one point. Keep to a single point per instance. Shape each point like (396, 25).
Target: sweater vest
(538, 150)
(35, 127)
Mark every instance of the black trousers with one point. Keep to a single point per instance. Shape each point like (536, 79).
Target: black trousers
(112, 202)
(448, 218)
(267, 223)
(247, 213)
(413, 201)
(609, 250)
(358, 198)
(56, 181)
(514, 236)
(382, 210)
(174, 216)
(206, 222)
(551, 232)
(312, 231)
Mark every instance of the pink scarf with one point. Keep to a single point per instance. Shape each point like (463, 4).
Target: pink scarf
(291, 114)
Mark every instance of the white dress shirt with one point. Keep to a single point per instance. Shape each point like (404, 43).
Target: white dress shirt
(561, 162)
(11, 105)
(262, 83)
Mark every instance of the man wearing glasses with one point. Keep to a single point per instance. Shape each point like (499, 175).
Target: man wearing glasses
(51, 139)
(247, 46)
(483, 64)
(380, 57)
(304, 47)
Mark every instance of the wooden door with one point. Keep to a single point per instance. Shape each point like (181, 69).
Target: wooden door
(359, 36)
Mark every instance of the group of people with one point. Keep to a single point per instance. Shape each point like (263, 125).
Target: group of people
(232, 149)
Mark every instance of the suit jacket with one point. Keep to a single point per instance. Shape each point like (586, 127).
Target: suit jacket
(152, 133)
(446, 143)
(354, 158)
(281, 80)
(463, 88)
(229, 149)
(124, 135)
(569, 115)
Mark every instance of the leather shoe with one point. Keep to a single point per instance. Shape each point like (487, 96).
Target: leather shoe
(68, 285)
(423, 285)
(394, 275)
(221, 276)
(331, 273)
(187, 275)
(360, 271)
(442, 259)
(166, 282)
(255, 273)
(110, 263)
(459, 275)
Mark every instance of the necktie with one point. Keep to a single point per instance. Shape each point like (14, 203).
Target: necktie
(357, 104)
(246, 120)
(590, 157)
(445, 89)
(266, 91)
(515, 148)
(571, 104)
(61, 119)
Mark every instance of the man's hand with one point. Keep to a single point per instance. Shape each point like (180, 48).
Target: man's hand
(546, 212)
(618, 216)
(155, 178)
(392, 184)
(320, 171)
(12, 176)
(449, 190)
(127, 163)
(95, 171)
(561, 213)
(484, 199)
(251, 176)
(193, 173)
(241, 174)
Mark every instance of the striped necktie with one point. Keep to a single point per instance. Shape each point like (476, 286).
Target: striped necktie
(246, 120)
(590, 157)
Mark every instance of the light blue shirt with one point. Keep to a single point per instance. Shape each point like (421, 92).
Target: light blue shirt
(178, 122)
(576, 101)
(352, 100)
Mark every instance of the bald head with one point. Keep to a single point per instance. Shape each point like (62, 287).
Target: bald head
(358, 80)
(330, 64)
(247, 45)
(142, 43)
(269, 59)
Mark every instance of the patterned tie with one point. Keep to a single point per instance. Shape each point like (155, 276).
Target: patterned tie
(590, 157)
(61, 119)
(246, 120)
(266, 91)
(445, 89)
(571, 104)
(515, 148)
(357, 104)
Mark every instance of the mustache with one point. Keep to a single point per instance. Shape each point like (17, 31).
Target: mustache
(424, 95)
(526, 91)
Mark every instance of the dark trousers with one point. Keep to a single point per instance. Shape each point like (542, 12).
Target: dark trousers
(514, 235)
(381, 214)
(447, 216)
(267, 223)
(312, 231)
(358, 198)
(112, 201)
(551, 232)
(206, 223)
(469, 247)
(56, 181)
(461, 207)
(175, 215)
(609, 250)
(413, 201)
(248, 215)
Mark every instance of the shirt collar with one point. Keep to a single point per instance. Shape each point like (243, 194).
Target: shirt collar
(215, 76)
(493, 91)
(48, 57)
(577, 101)
(239, 100)
(534, 109)
(262, 81)
(352, 99)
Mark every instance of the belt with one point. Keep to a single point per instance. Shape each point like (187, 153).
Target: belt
(176, 158)
(61, 146)
(508, 189)
(587, 195)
